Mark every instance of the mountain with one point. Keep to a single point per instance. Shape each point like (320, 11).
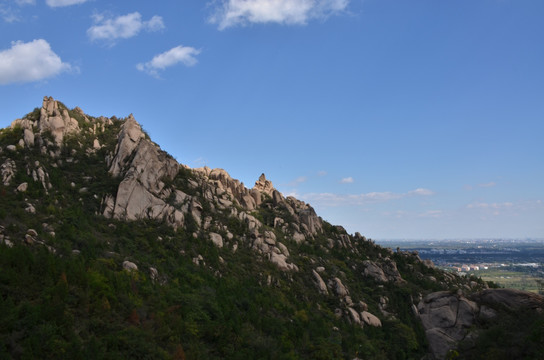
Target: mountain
(112, 249)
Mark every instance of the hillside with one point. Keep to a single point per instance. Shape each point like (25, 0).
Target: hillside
(112, 249)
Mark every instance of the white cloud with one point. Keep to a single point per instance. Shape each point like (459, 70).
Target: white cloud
(330, 199)
(347, 180)
(122, 27)
(242, 12)
(178, 54)
(321, 173)
(28, 62)
(487, 185)
(60, 3)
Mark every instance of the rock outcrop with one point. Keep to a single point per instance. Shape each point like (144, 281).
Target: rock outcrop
(383, 271)
(143, 168)
(449, 318)
(54, 119)
(7, 171)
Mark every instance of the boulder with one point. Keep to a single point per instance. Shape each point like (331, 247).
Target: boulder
(321, 286)
(383, 271)
(511, 298)
(129, 266)
(370, 319)
(7, 171)
(32, 232)
(153, 274)
(374, 271)
(30, 209)
(449, 318)
(216, 239)
(269, 237)
(354, 315)
(22, 187)
(28, 137)
(283, 249)
(280, 261)
(339, 289)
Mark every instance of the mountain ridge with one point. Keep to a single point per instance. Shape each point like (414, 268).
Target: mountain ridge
(76, 185)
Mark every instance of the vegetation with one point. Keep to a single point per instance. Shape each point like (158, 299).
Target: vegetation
(66, 293)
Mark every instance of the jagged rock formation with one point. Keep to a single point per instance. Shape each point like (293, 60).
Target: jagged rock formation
(142, 167)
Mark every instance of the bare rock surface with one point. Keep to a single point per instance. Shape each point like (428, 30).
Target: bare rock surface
(383, 271)
(370, 319)
(7, 171)
(321, 286)
(56, 120)
(449, 317)
(143, 167)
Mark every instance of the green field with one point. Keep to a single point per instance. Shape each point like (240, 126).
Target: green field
(513, 279)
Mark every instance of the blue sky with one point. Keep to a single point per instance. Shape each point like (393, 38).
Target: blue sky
(397, 119)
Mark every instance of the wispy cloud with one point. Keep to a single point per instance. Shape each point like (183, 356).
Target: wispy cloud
(111, 29)
(507, 207)
(431, 214)
(496, 206)
(25, 2)
(200, 162)
(330, 199)
(347, 180)
(483, 185)
(420, 191)
(403, 214)
(298, 180)
(179, 54)
(10, 14)
(243, 12)
(321, 173)
(487, 185)
(29, 62)
(60, 3)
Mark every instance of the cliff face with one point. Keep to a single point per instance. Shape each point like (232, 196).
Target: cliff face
(59, 166)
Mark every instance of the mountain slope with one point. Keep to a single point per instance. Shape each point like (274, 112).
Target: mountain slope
(111, 249)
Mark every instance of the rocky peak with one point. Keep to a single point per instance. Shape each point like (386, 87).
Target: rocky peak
(263, 185)
(129, 137)
(56, 119)
(143, 167)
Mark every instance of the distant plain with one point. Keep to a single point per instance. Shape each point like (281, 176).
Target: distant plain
(510, 263)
